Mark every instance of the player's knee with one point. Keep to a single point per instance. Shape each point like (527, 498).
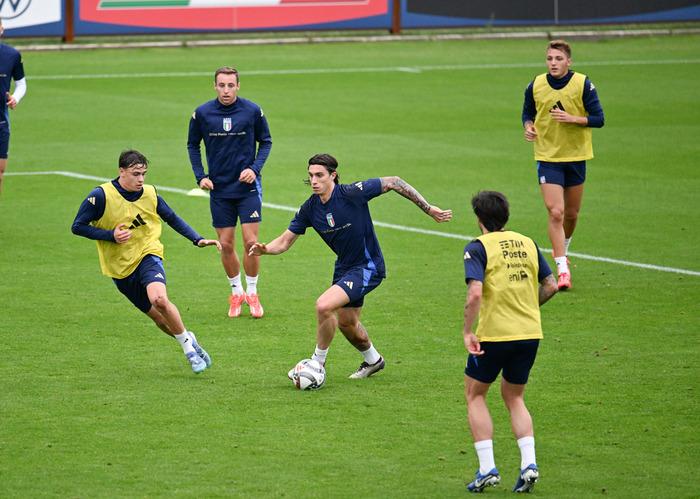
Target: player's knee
(226, 247)
(249, 244)
(556, 213)
(571, 214)
(323, 307)
(161, 302)
(347, 325)
(512, 400)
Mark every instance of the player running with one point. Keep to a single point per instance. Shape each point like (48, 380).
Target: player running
(124, 217)
(560, 109)
(339, 213)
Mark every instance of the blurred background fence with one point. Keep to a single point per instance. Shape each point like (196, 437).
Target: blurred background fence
(75, 18)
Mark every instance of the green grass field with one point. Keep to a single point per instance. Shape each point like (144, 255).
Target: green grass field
(97, 403)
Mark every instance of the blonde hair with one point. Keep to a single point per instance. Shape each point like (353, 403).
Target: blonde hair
(560, 45)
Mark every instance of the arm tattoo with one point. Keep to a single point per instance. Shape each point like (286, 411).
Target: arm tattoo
(406, 190)
(548, 288)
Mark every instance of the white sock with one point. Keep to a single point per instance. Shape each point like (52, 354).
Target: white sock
(320, 355)
(236, 286)
(567, 242)
(251, 285)
(562, 266)
(185, 342)
(192, 336)
(527, 451)
(371, 355)
(484, 450)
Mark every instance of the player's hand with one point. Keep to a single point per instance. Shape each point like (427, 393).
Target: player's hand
(122, 233)
(530, 133)
(257, 249)
(206, 184)
(11, 101)
(564, 117)
(209, 242)
(471, 343)
(248, 176)
(440, 215)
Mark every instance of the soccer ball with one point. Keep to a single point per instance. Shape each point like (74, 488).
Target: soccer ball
(308, 375)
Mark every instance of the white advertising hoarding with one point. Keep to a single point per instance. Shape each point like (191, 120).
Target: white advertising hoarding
(23, 13)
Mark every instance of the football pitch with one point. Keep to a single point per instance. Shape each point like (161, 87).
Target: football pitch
(96, 402)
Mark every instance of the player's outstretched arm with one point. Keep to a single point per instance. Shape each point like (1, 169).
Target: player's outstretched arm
(209, 242)
(409, 192)
(274, 247)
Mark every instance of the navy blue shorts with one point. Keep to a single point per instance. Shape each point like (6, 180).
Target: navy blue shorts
(4, 139)
(514, 358)
(357, 282)
(134, 286)
(566, 174)
(227, 212)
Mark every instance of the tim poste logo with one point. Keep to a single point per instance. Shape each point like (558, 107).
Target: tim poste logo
(9, 9)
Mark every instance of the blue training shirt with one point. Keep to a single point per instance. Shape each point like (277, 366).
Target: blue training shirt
(93, 207)
(231, 134)
(591, 103)
(475, 264)
(345, 224)
(11, 68)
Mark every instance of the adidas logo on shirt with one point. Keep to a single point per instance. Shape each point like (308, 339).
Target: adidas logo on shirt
(255, 214)
(348, 284)
(159, 276)
(91, 200)
(358, 185)
(137, 222)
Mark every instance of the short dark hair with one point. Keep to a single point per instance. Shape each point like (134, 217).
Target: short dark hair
(328, 161)
(491, 208)
(227, 70)
(560, 45)
(132, 157)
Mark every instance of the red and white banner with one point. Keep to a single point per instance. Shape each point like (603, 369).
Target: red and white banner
(227, 14)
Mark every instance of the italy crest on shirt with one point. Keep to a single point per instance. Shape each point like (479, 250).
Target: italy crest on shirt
(227, 124)
(329, 217)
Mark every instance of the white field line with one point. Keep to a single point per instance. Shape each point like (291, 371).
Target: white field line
(403, 228)
(387, 69)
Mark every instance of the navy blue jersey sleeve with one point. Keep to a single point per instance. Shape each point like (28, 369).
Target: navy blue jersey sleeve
(474, 261)
(529, 108)
(544, 267)
(167, 214)
(92, 208)
(596, 118)
(18, 69)
(194, 140)
(301, 220)
(362, 191)
(264, 140)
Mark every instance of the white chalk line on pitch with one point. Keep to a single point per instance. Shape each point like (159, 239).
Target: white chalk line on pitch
(389, 69)
(403, 228)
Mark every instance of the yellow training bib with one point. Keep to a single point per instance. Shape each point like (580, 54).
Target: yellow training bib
(561, 142)
(141, 218)
(510, 307)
